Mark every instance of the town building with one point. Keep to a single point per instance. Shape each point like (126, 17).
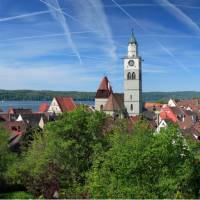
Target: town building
(61, 104)
(129, 103)
(133, 79)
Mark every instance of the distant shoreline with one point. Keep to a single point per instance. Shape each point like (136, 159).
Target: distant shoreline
(42, 95)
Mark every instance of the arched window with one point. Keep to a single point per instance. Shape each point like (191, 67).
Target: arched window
(101, 107)
(131, 97)
(131, 107)
(129, 76)
(133, 76)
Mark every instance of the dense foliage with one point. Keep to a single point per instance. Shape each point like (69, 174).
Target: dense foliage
(6, 157)
(144, 165)
(45, 95)
(58, 158)
(85, 154)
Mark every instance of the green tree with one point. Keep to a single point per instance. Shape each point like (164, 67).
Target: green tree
(58, 159)
(6, 157)
(145, 165)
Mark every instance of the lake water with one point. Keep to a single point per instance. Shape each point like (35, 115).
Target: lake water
(34, 105)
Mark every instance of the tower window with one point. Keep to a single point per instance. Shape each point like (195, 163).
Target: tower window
(133, 76)
(131, 96)
(131, 107)
(129, 76)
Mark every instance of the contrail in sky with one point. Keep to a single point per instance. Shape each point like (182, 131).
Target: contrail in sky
(24, 16)
(66, 14)
(179, 14)
(44, 36)
(61, 19)
(88, 11)
(144, 29)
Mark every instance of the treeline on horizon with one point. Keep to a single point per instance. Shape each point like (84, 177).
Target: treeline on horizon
(46, 95)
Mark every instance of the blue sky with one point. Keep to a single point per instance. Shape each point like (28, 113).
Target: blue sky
(72, 44)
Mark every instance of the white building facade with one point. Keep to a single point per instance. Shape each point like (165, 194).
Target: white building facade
(133, 79)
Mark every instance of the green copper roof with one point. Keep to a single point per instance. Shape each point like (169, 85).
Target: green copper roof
(132, 39)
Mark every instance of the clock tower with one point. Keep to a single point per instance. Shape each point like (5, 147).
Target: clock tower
(133, 79)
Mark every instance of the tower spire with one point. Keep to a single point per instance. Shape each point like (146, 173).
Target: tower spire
(132, 39)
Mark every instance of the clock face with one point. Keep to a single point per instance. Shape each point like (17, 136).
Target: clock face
(131, 62)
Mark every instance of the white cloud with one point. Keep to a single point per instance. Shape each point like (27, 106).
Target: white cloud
(47, 75)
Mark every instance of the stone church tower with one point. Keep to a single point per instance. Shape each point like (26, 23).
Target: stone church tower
(133, 79)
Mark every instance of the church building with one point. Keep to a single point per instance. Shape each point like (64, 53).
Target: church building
(129, 103)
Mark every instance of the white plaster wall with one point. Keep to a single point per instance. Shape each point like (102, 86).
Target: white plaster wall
(54, 107)
(99, 102)
(132, 50)
(171, 103)
(133, 87)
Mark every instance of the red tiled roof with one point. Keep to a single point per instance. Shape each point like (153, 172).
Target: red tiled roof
(4, 117)
(187, 102)
(195, 107)
(66, 103)
(197, 126)
(186, 122)
(114, 103)
(104, 89)
(152, 104)
(104, 84)
(43, 107)
(167, 113)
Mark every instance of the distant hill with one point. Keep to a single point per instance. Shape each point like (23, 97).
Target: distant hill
(44, 95)
(156, 96)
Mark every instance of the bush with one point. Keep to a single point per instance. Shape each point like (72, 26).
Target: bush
(16, 195)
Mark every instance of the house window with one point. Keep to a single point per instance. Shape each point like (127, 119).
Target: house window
(133, 76)
(129, 76)
(101, 107)
(131, 107)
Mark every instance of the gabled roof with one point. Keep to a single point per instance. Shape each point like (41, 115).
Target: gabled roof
(149, 115)
(152, 104)
(114, 103)
(32, 120)
(177, 111)
(187, 102)
(43, 107)
(66, 104)
(167, 113)
(18, 111)
(104, 89)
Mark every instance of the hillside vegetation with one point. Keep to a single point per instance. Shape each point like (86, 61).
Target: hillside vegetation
(45, 95)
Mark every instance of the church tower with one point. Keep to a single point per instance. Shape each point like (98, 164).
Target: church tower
(133, 79)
